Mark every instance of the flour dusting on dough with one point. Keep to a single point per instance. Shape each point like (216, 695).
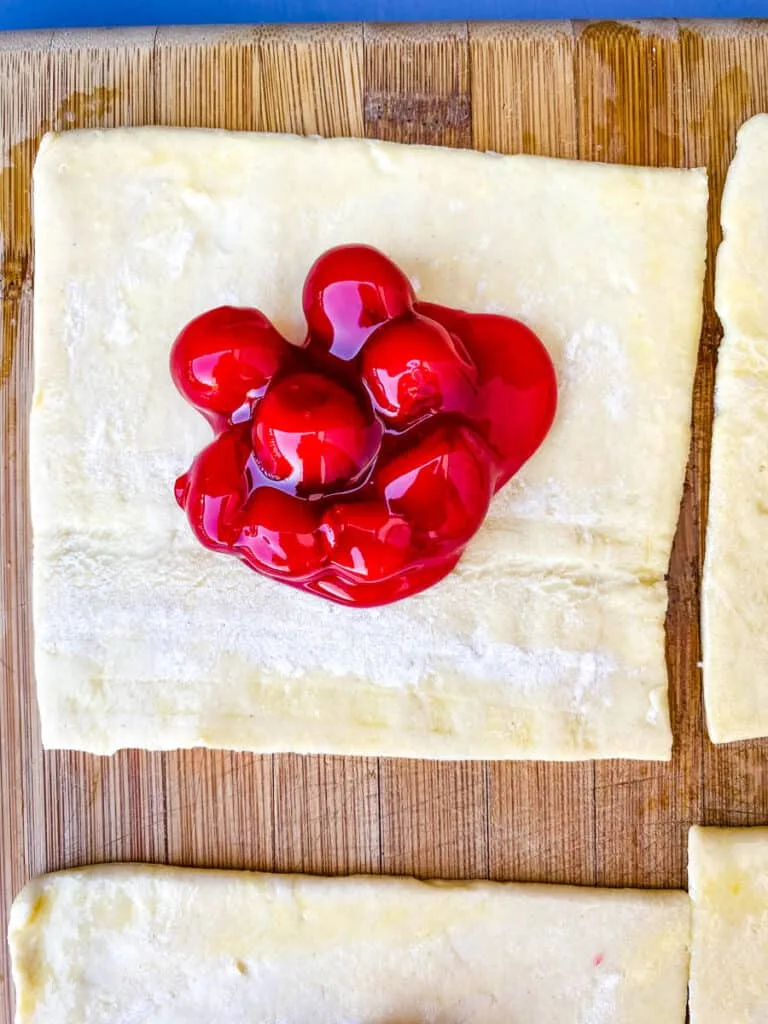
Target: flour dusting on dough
(426, 650)
(596, 352)
(603, 1009)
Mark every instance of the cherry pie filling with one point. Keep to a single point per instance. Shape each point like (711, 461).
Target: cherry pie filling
(358, 465)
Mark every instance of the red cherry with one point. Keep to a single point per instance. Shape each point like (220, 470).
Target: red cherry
(225, 357)
(366, 540)
(517, 385)
(413, 367)
(313, 432)
(280, 534)
(453, 320)
(215, 488)
(442, 485)
(350, 290)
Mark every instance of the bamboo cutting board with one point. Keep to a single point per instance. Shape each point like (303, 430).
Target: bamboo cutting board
(664, 93)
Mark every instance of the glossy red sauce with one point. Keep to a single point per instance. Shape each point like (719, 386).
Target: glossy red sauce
(358, 465)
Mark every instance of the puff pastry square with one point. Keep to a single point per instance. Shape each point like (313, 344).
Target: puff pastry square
(548, 641)
(734, 603)
(125, 943)
(728, 885)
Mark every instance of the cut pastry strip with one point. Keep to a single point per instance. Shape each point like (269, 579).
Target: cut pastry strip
(547, 641)
(128, 943)
(735, 583)
(728, 886)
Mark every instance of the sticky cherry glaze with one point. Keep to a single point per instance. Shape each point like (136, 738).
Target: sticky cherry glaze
(358, 465)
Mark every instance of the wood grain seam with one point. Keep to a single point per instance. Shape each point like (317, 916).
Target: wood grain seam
(273, 767)
(155, 77)
(488, 829)
(379, 804)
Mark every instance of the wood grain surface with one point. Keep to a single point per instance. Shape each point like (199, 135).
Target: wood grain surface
(664, 93)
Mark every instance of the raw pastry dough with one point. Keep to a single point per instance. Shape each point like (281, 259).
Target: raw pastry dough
(735, 585)
(118, 944)
(548, 641)
(728, 885)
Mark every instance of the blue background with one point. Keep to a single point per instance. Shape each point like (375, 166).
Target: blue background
(76, 13)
